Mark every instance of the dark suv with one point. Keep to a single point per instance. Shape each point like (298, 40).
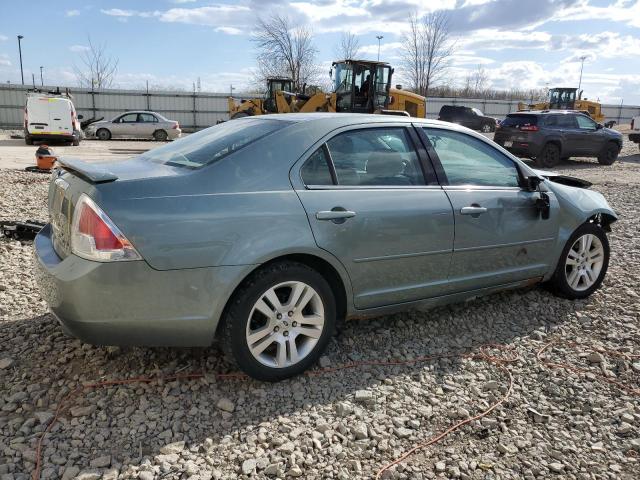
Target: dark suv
(467, 117)
(551, 135)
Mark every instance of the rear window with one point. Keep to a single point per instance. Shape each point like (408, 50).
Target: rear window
(519, 121)
(213, 144)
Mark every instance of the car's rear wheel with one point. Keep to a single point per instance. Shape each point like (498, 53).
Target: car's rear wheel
(103, 134)
(583, 263)
(279, 321)
(609, 154)
(160, 136)
(549, 157)
(486, 128)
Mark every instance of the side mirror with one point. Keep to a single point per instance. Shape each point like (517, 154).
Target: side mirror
(531, 183)
(599, 126)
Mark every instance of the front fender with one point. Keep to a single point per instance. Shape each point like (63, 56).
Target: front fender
(577, 206)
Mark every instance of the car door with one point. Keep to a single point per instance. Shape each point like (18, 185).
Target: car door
(592, 138)
(125, 125)
(373, 202)
(500, 235)
(147, 124)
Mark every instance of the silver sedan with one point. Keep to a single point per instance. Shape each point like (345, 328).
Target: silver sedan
(142, 124)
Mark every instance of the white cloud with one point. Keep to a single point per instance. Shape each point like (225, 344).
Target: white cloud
(4, 60)
(623, 11)
(79, 48)
(221, 16)
(120, 13)
(72, 13)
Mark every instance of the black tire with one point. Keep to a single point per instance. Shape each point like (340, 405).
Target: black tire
(239, 115)
(103, 134)
(76, 141)
(28, 139)
(559, 285)
(486, 128)
(233, 329)
(160, 136)
(565, 159)
(609, 154)
(549, 157)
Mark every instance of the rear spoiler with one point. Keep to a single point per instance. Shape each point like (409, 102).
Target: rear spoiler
(93, 172)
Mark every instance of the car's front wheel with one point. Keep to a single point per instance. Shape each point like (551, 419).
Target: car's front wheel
(583, 263)
(486, 128)
(279, 322)
(103, 134)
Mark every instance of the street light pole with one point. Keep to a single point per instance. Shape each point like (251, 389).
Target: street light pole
(20, 37)
(582, 58)
(41, 79)
(379, 37)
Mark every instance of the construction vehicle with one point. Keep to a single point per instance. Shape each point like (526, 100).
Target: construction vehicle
(564, 98)
(360, 86)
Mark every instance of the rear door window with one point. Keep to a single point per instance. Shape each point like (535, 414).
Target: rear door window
(147, 118)
(375, 156)
(315, 170)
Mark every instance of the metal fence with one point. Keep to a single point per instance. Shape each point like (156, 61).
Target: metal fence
(197, 110)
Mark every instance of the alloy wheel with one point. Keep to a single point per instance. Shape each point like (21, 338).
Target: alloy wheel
(584, 262)
(285, 324)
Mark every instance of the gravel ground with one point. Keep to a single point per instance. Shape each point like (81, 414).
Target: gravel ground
(344, 425)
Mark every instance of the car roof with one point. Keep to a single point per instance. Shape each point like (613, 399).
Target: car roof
(343, 119)
(546, 112)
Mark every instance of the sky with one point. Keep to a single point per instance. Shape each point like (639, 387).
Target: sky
(171, 43)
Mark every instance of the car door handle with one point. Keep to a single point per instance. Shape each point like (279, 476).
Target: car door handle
(335, 214)
(472, 210)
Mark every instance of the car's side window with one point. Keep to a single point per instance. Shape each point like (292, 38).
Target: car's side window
(585, 123)
(129, 118)
(469, 161)
(315, 170)
(382, 156)
(147, 118)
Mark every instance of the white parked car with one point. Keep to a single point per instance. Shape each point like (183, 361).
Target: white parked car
(51, 117)
(634, 136)
(139, 124)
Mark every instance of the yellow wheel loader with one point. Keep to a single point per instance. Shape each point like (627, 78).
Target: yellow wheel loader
(565, 99)
(360, 86)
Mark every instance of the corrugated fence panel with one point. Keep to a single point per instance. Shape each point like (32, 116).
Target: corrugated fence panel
(200, 110)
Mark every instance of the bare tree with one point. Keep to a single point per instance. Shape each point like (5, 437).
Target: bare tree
(426, 50)
(285, 51)
(476, 82)
(348, 48)
(97, 69)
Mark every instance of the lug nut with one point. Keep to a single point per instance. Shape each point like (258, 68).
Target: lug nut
(285, 333)
(275, 329)
(290, 314)
(279, 316)
(294, 324)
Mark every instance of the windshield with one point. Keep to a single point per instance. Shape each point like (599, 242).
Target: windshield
(213, 144)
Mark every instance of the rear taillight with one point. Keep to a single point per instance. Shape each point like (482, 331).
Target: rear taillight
(529, 128)
(176, 125)
(26, 119)
(95, 237)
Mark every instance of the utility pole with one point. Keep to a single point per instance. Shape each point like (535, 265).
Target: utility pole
(582, 58)
(379, 37)
(231, 89)
(41, 80)
(20, 37)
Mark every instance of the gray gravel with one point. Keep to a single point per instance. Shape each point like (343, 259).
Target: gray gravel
(349, 424)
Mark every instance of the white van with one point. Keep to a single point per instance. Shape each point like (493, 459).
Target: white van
(50, 117)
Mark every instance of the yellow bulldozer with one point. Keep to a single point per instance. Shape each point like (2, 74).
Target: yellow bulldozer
(561, 98)
(360, 86)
